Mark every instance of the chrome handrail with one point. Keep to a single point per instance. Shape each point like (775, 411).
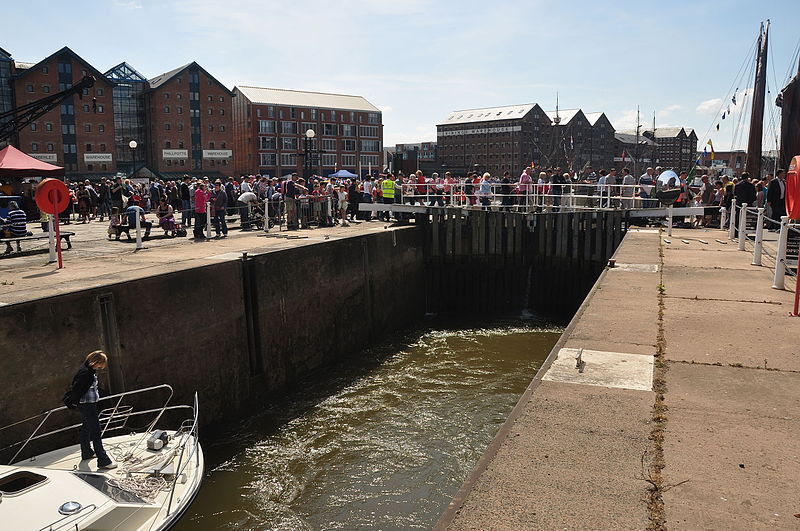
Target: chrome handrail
(60, 522)
(47, 414)
(178, 469)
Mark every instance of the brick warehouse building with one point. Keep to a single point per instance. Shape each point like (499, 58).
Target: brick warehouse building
(510, 138)
(189, 123)
(493, 139)
(271, 125)
(79, 134)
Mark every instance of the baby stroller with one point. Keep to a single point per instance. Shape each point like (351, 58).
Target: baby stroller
(257, 218)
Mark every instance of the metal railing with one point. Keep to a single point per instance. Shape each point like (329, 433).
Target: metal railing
(738, 231)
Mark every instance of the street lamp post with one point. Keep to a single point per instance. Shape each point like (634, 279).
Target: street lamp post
(133, 145)
(310, 134)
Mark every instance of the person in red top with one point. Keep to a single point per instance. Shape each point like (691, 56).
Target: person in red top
(422, 186)
(201, 197)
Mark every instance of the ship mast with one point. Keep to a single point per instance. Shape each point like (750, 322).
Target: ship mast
(753, 163)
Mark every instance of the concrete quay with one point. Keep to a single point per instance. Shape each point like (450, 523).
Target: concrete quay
(95, 261)
(684, 415)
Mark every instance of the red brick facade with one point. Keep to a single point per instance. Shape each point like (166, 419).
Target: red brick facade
(270, 138)
(175, 99)
(91, 134)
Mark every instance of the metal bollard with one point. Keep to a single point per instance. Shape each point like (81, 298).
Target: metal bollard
(732, 221)
(208, 220)
(757, 246)
(723, 217)
(266, 214)
(742, 226)
(669, 221)
(138, 230)
(780, 256)
(51, 237)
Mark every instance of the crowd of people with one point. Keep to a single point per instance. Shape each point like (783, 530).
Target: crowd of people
(299, 203)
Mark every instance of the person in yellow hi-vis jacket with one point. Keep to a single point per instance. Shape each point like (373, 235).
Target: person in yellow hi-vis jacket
(387, 189)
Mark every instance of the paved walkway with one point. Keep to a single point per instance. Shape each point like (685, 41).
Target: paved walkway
(581, 449)
(95, 261)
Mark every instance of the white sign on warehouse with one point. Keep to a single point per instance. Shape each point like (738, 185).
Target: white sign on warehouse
(217, 153)
(175, 153)
(97, 157)
(44, 157)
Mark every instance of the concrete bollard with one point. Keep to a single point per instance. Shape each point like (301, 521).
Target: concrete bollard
(732, 221)
(723, 217)
(742, 226)
(780, 256)
(758, 245)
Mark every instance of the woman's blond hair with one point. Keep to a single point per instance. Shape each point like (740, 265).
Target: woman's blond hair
(96, 357)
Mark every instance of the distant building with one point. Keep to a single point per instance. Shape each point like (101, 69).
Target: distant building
(79, 133)
(409, 158)
(271, 127)
(190, 123)
(6, 85)
(637, 153)
(493, 139)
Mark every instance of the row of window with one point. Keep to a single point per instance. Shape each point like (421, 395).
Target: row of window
(194, 96)
(68, 129)
(290, 160)
(328, 144)
(195, 130)
(211, 145)
(372, 118)
(68, 148)
(182, 162)
(290, 128)
(45, 88)
(193, 112)
(69, 109)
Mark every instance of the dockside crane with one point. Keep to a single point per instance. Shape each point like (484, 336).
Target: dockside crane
(18, 118)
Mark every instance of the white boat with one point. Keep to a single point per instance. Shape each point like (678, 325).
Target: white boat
(158, 474)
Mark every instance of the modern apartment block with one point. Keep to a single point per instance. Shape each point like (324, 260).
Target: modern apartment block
(271, 126)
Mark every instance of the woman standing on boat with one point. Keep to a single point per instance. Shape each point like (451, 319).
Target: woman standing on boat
(84, 395)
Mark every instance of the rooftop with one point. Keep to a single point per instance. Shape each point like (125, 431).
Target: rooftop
(488, 114)
(302, 98)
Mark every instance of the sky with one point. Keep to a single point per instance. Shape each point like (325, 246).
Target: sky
(418, 60)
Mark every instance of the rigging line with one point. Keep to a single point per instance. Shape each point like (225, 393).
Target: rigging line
(793, 63)
(749, 57)
(747, 111)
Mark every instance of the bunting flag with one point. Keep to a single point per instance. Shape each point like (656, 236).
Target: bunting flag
(532, 165)
(723, 116)
(733, 99)
(729, 110)
(710, 143)
(705, 151)
(623, 155)
(717, 127)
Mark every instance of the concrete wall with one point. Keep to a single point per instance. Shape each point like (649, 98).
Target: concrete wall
(190, 329)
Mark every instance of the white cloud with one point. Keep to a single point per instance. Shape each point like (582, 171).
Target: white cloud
(709, 106)
(627, 120)
(128, 4)
(669, 109)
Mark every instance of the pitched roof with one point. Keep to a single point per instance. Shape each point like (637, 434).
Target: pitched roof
(65, 50)
(488, 114)
(302, 98)
(630, 138)
(667, 132)
(565, 116)
(592, 117)
(125, 72)
(5, 53)
(159, 80)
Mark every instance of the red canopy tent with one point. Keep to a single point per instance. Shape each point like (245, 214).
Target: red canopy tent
(15, 163)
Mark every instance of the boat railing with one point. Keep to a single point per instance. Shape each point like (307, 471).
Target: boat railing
(61, 522)
(194, 454)
(112, 418)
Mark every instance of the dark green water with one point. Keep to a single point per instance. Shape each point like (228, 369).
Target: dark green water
(379, 441)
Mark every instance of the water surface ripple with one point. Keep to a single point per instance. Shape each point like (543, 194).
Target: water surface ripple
(378, 441)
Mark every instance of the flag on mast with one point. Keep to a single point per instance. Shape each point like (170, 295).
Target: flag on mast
(711, 144)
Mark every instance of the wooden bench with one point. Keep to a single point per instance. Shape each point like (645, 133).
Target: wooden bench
(64, 236)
